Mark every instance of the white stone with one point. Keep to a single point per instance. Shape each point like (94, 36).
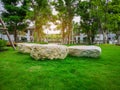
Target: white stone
(85, 51)
(25, 47)
(41, 52)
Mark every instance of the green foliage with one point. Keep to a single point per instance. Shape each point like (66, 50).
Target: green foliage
(54, 36)
(99, 16)
(41, 14)
(3, 43)
(96, 16)
(21, 72)
(114, 15)
(66, 9)
(43, 43)
(14, 15)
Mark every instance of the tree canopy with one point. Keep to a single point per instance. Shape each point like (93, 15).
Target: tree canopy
(97, 16)
(14, 14)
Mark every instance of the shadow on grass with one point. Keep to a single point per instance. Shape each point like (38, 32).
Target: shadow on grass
(19, 53)
(3, 49)
(28, 59)
(84, 58)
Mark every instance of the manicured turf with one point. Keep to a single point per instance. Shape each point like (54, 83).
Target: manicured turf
(21, 72)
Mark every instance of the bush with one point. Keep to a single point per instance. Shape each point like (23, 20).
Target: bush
(43, 43)
(3, 43)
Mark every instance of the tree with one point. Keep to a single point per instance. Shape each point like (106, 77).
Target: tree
(41, 15)
(94, 15)
(14, 14)
(114, 17)
(84, 10)
(110, 17)
(66, 9)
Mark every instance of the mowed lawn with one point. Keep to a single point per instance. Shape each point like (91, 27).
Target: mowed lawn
(21, 72)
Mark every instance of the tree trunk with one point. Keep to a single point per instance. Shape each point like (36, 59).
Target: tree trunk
(68, 37)
(15, 33)
(89, 38)
(63, 36)
(4, 26)
(93, 37)
(70, 31)
(35, 34)
(118, 40)
(93, 33)
(38, 35)
(104, 37)
(104, 31)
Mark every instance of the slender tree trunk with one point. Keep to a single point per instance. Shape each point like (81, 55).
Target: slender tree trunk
(35, 33)
(68, 38)
(15, 33)
(72, 36)
(38, 35)
(93, 37)
(63, 35)
(63, 32)
(104, 37)
(105, 30)
(8, 35)
(118, 40)
(70, 31)
(89, 39)
(35, 19)
(93, 33)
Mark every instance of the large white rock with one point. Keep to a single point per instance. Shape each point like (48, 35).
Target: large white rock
(85, 51)
(25, 47)
(41, 52)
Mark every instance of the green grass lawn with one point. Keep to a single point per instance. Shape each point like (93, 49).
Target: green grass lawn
(21, 72)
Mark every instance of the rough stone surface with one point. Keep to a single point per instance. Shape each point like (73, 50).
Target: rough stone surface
(85, 51)
(41, 52)
(25, 47)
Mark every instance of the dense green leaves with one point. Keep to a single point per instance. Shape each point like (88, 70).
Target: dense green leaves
(97, 16)
(66, 9)
(40, 14)
(3, 43)
(14, 14)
